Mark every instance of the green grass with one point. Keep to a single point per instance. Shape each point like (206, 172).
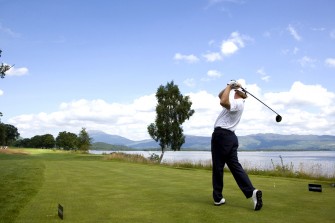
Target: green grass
(20, 180)
(92, 189)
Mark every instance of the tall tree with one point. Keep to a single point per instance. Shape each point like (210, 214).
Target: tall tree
(172, 111)
(84, 140)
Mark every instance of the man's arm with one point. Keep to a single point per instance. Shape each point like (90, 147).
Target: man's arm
(224, 97)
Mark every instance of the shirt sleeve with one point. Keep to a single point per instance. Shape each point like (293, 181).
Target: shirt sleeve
(236, 105)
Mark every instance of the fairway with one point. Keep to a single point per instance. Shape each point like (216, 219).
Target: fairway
(95, 190)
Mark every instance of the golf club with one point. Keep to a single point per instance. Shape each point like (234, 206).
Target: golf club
(278, 117)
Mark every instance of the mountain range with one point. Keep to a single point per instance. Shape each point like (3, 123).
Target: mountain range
(266, 142)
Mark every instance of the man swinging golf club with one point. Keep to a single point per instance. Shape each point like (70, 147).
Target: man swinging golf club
(224, 146)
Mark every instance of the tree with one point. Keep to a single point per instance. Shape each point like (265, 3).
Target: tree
(23, 143)
(2, 134)
(84, 140)
(8, 134)
(36, 142)
(67, 140)
(48, 141)
(172, 111)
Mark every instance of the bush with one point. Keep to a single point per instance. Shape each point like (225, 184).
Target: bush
(134, 158)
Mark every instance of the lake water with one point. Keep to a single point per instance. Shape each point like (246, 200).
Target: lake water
(313, 162)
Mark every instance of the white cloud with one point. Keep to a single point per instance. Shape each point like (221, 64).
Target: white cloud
(212, 75)
(302, 109)
(1, 92)
(228, 47)
(212, 57)
(129, 120)
(188, 58)
(330, 62)
(304, 97)
(294, 32)
(17, 71)
(233, 43)
(263, 74)
(307, 62)
(298, 107)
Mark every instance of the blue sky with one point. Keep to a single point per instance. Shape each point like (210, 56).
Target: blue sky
(97, 64)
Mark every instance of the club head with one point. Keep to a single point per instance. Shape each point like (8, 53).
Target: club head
(278, 118)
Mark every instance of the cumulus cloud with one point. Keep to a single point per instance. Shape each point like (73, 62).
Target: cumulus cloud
(294, 32)
(304, 96)
(330, 62)
(188, 58)
(233, 43)
(302, 109)
(1, 92)
(129, 120)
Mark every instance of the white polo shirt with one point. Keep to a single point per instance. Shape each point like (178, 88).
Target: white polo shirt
(229, 119)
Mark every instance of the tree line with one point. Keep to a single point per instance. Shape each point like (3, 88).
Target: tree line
(9, 136)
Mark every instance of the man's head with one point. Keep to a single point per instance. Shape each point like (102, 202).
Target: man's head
(240, 94)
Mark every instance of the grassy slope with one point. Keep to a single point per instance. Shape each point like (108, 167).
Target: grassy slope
(93, 190)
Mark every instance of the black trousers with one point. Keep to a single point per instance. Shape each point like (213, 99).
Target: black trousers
(224, 146)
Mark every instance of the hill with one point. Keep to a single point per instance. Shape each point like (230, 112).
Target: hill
(268, 141)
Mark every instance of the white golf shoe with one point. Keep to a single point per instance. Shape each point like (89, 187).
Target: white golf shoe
(257, 199)
(220, 202)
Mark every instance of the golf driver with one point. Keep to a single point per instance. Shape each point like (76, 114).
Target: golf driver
(278, 117)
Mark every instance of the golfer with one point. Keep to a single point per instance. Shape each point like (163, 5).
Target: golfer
(224, 146)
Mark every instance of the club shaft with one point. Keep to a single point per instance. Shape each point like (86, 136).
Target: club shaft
(259, 100)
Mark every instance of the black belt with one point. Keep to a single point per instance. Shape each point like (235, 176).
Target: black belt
(222, 129)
